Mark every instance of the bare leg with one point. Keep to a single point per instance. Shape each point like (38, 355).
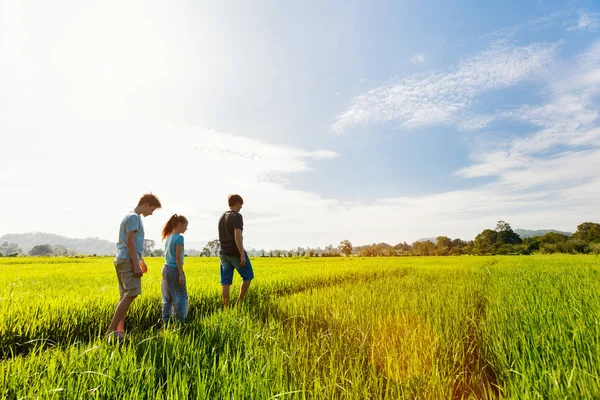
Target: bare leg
(243, 290)
(121, 324)
(118, 320)
(225, 295)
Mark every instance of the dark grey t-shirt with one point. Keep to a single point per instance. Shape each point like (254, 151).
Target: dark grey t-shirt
(229, 221)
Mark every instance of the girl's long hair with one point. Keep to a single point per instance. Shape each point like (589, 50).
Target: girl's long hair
(172, 224)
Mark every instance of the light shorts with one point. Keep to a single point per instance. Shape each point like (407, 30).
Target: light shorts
(129, 285)
(230, 263)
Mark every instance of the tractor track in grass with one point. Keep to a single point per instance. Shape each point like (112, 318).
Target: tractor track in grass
(477, 378)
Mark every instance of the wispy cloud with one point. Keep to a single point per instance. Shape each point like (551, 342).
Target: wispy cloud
(475, 122)
(568, 20)
(564, 124)
(547, 178)
(585, 21)
(192, 175)
(531, 25)
(418, 58)
(436, 97)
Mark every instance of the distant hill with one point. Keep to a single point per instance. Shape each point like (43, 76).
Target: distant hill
(525, 233)
(26, 241)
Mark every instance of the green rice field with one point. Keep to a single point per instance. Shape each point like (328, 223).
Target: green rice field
(515, 327)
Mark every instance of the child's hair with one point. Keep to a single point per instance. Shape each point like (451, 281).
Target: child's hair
(233, 199)
(172, 223)
(150, 199)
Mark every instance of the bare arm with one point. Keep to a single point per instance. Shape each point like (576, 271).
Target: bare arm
(179, 261)
(239, 242)
(130, 243)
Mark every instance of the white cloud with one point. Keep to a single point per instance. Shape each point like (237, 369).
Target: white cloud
(549, 178)
(418, 58)
(437, 97)
(80, 186)
(89, 120)
(565, 123)
(585, 21)
(535, 24)
(84, 193)
(475, 122)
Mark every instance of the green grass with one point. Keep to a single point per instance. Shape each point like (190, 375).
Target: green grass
(350, 328)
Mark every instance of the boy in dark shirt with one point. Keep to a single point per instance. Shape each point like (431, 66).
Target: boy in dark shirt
(233, 256)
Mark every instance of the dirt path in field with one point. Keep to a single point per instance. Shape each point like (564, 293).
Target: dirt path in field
(477, 379)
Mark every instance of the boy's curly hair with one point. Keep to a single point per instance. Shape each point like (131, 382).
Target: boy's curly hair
(150, 199)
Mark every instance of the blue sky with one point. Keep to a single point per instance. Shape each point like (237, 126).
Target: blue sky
(379, 121)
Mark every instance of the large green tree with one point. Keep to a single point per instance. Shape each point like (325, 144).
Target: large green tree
(158, 253)
(506, 235)
(148, 247)
(59, 250)
(212, 248)
(502, 226)
(345, 247)
(9, 248)
(485, 241)
(588, 232)
(424, 248)
(41, 250)
(403, 247)
(553, 237)
(444, 242)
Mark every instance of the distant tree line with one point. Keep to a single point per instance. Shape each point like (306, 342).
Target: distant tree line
(9, 249)
(501, 240)
(26, 241)
(12, 250)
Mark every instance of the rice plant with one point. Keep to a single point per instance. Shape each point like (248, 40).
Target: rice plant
(311, 328)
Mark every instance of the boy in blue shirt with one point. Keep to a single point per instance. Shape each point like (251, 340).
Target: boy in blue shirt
(127, 262)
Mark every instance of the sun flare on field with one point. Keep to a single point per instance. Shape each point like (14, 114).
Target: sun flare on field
(403, 346)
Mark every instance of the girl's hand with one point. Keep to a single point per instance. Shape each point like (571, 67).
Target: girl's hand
(181, 278)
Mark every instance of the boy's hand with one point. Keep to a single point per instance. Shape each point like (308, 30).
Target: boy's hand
(137, 271)
(181, 278)
(243, 260)
(143, 266)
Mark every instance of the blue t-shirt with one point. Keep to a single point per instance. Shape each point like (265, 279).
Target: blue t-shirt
(173, 241)
(131, 222)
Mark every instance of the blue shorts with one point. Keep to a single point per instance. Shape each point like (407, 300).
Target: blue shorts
(229, 263)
